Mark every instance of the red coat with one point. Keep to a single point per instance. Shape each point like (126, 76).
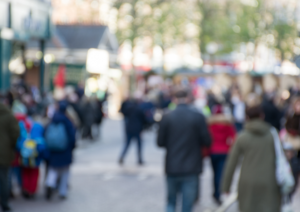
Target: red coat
(222, 132)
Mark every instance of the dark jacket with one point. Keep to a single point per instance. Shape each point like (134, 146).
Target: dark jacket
(10, 132)
(65, 158)
(135, 118)
(273, 115)
(183, 132)
(258, 190)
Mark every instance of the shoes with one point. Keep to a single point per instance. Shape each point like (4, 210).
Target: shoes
(141, 163)
(49, 193)
(6, 208)
(121, 162)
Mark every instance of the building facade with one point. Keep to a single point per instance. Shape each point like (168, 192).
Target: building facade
(22, 21)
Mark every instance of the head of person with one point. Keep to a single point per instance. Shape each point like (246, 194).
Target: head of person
(181, 97)
(255, 112)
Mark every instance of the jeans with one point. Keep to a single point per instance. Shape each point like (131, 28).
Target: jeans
(129, 137)
(187, 186)
(63, 175)
(218, 162)
(4, 186)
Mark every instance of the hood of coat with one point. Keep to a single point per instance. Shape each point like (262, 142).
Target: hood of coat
(220, 119)
(257, 126)
(4, 110)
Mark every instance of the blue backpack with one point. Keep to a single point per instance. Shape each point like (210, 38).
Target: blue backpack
(56, 137)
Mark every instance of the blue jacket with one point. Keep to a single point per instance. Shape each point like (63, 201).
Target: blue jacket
(36, 134)
(65, 158)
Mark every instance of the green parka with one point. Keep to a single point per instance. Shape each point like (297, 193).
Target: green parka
(9, 134)
(257, 190)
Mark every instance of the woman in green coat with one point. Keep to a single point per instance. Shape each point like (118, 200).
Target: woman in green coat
(257, 190)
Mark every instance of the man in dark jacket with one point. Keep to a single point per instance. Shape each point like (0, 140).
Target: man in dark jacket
(135, 121)
(183, 133)
(9, 131)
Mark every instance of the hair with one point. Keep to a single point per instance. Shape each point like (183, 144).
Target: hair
(254, 112)
(181, 94)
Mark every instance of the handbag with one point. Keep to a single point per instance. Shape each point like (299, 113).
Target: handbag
(284, 174)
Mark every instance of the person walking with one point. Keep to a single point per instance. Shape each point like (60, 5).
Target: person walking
(60, 139)
(10, 132)
(258, 189)
(135, 121)
(183, 132)
(222, 130)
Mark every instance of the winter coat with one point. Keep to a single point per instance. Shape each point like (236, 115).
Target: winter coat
(64, 158)
(257, 190)
(9, 131)
(222, 132)
(183, 132)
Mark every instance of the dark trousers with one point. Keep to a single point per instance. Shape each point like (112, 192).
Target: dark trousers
(187, 186)
(218, 162)
(4, 186)
(129, 137)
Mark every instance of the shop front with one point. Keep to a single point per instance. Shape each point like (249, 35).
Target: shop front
(22, 21)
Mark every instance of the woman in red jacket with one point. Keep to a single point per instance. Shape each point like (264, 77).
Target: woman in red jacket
(223, 132)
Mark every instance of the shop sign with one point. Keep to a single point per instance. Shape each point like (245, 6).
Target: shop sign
(97, 61)
(27, 22)
(4, 14)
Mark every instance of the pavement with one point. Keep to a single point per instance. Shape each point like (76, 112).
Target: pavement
(99, 184)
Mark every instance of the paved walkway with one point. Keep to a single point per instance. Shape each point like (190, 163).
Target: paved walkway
(98, 184)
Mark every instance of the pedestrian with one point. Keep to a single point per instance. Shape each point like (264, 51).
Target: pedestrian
(60, 139)
(239, 107)
(88, 111)
(222, 131)
(272, 113)
(32, 152)
(98, 115)
(135, 121)
(258, 189)
(9, 131)
(291, 135)
(183, 132)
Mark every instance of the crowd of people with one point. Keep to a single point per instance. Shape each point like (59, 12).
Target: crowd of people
(227, 130)
(38, 130)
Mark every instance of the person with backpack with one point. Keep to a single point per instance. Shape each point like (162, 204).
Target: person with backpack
(60, 140)
(32, 151)
(9, 131)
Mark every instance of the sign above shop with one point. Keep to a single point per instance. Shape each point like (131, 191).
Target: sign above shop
(97, 61)
(26, 20)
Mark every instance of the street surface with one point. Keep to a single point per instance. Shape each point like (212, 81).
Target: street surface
(98, 184)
